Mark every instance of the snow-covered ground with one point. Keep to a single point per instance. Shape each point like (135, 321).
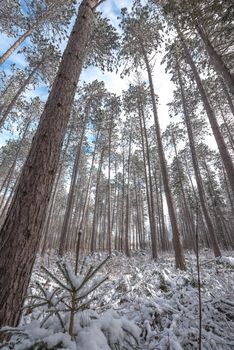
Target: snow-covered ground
(142, 305)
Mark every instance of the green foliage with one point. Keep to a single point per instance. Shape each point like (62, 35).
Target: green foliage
(103, 44)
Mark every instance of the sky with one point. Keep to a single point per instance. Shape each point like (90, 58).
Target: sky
(113, 82)
(163, 86)
(162, 83)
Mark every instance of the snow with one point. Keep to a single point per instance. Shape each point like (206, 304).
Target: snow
(144, 305)
(229, 260)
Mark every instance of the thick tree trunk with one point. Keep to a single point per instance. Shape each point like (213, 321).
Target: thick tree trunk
(179, 254)
(201, 193)
(226, 158)
(22, 229)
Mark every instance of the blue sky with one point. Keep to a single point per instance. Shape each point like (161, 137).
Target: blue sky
(110, 9)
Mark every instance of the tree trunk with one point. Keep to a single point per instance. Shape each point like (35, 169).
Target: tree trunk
(22, 229)
(191, 223)
(152, 206)
(7, 180)
(127, 221)
(226, 158)
(228, 96)
(71, 194)
(51, 205)
(179, 254)
(122, 205)
(89, 184)
(216, 59)
(16, 44)
(94, 226)
(201, 193)
(109, 231)
(24, 36)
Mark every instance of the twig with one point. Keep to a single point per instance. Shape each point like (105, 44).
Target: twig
(78, 251)
(199, 283)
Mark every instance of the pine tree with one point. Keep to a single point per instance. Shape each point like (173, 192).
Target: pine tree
(21, 232)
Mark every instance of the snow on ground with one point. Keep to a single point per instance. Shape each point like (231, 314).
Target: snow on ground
(144, 305)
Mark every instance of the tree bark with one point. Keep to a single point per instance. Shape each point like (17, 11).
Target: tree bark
(22, 229)
(127, 221)
(179, 254)
(24, 36)
(71, 194)
(201, 193)
(94, 225)
(191, 223)
(148, 179)
(51, 205)
(217, 60)
(225, 155)
(16, 44)
(81, 226)
(109, 230)
(228, 96)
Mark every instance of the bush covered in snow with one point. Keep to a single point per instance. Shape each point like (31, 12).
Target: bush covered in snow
(59, 315)
(143, 304)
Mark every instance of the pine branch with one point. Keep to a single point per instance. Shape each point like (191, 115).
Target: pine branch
(56, 279)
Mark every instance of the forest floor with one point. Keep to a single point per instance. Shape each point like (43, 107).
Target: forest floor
(142, 305)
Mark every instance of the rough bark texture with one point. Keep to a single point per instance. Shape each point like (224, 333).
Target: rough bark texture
(21, 231)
